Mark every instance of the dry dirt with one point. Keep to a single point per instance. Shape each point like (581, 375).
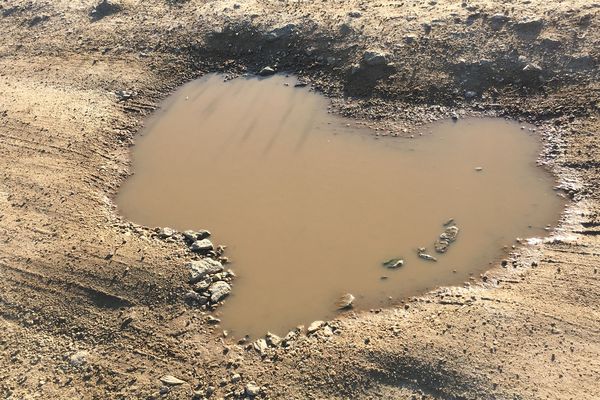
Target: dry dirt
(91, 305)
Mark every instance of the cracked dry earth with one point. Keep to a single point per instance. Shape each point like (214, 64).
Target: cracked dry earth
(92, 306)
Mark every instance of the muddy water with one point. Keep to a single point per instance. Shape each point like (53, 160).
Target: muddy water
(310, 205)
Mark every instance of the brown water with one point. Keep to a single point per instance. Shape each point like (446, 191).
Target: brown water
(311, 207)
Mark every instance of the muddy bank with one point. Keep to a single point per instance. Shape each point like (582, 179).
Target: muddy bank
(91, 304)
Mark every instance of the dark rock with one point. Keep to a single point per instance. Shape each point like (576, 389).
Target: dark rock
(497, 21)
(192, 297)
(38, 19)
(529, 28)
(284, 32)
(582, 62)
(104, 9)
(375, 58)
(266, 71)
(550, 43)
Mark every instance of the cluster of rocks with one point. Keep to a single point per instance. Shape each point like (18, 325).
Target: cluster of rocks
(442, 242)
(441, 245)
(209, 282)
(446, 238)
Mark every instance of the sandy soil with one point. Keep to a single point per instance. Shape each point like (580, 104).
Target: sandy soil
(91, 305)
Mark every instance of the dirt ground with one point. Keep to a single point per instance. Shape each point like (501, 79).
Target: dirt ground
(92, 306)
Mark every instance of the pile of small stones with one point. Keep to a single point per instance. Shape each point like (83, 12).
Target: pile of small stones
(209, 282)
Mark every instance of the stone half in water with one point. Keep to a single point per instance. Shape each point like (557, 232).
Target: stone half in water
(446, 238)
(393, 263)
(345, 301)
(421, 252)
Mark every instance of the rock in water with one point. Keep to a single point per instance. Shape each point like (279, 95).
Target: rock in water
(446, 238)
(218, 291)
(393, 263)
(266, 71)
(202, 246)
(104, 9)
(345, 301)
(201, 268)
(422, 254)
(170, 380)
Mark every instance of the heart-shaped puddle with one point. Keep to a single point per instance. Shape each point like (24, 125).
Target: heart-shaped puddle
(311, 205)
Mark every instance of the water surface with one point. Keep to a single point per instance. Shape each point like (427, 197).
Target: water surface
(310, 204)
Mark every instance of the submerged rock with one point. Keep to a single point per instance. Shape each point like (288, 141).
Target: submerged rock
(201, 268)
(422, 254)
(393, 263)
(345, 301)
(446, 238)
